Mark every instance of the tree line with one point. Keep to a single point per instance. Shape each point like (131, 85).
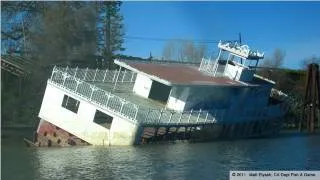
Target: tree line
(60, 32)
(291, 82)
(89, 34)
(51, 33)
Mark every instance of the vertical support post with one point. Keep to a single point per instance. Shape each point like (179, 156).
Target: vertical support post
(114, 76)
(201, 64)
(108, 99)
(161, 112)
(53, 71)
(67, 101)
(219, 54)
(137, 109)
(215, 116)
(132, 76)
(124, 74)
(122, 104)
(92, 90)
(198, 115)
(85, 74)
(156, 129)
(180, 117)
(75, 73)
(64, 79)
(170, 117)
(206, 117)
(215, 68)
(149, 110)
(78, 82)
(226, 67)
(190, 115)
(104, 76)
(95, 74)
(115, 84)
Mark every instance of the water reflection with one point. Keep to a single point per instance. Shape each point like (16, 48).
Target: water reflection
(163, 161)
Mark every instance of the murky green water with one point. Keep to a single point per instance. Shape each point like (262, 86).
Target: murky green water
(160, 161)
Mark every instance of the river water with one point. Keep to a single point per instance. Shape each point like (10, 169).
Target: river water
(212, 160)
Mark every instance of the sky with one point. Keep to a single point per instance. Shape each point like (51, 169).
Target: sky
(291, 26)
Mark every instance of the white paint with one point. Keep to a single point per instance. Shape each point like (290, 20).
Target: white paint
(175, 104)
(153, 77)
(122, 132)
(142, 85)
(233, 72)
(178, 97)
(239, 72)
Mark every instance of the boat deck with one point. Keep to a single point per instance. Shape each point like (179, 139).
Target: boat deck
(124, 90)
(124, 102)
(150, 110)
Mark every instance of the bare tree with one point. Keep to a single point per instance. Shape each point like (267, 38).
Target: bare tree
(276, 60)
(201, 52)
(168, 52)
(184, 50)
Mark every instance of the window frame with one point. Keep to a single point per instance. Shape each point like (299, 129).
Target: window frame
(106, 122)
(70, 103)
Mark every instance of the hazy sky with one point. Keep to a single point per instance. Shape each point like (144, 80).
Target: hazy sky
(292, 26)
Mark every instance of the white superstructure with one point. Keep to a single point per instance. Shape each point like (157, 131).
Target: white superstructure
(118, 107)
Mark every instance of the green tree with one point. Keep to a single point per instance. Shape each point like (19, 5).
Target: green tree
(16, 20)
(53, 33)
(110, 31)
(64, 33)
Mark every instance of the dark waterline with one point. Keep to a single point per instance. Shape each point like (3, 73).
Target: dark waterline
(212, 160)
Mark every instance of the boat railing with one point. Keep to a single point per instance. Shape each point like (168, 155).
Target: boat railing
(100, 75)
(93, 94)
(69, 80)
(166, 117)
(240, 50)
(209, 66)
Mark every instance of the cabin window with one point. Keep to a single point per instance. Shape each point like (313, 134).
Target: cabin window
(70, 103)
(159, 92)
(103, 119)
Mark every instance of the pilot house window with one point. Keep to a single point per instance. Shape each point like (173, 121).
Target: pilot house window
(70, 103)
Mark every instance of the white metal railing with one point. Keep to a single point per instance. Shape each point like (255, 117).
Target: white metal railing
(99, 75)
(73, 80)
(94, 94)
(163, 116)
(241, 50)
(209, 66)
(69, 80)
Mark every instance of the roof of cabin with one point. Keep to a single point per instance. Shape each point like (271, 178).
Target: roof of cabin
(175, 73)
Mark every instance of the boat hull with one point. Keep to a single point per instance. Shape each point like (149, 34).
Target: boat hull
(50, 135)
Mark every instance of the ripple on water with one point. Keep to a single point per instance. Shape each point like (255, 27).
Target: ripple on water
(164, 161)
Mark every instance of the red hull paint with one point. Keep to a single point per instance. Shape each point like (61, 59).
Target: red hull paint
(49, 135)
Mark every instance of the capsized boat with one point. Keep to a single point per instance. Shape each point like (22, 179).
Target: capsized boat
(152, 101)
